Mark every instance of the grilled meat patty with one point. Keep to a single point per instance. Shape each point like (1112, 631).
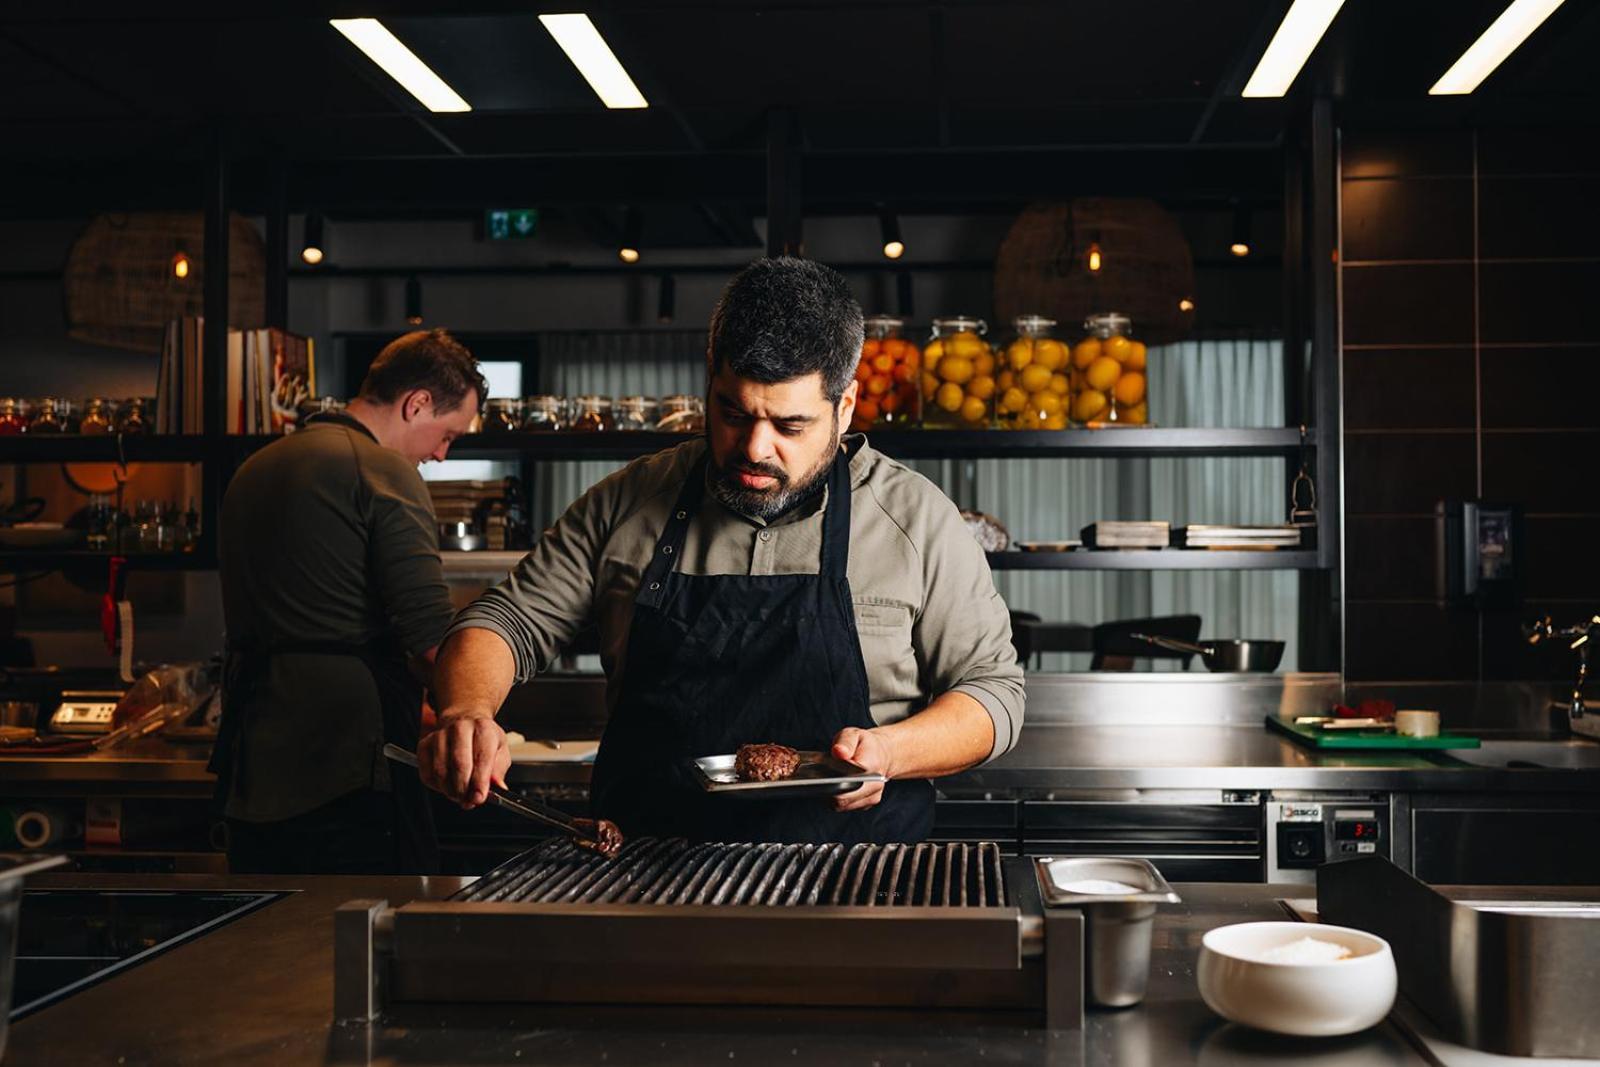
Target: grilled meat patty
(765, 763)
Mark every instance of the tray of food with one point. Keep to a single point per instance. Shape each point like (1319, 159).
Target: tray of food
(768, 772)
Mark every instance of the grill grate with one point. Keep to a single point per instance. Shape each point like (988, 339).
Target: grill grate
(673, 871)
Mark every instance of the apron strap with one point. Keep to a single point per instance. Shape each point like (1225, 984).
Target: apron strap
(836, 520)
(669, 546)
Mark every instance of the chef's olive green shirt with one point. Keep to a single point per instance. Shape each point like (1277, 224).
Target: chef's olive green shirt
(325, 536)
(926, 609)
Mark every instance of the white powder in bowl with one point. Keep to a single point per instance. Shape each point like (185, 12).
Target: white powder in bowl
(1306, 950)
(1098, 887)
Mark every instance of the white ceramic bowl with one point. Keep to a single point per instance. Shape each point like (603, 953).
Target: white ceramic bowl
(1304, 999)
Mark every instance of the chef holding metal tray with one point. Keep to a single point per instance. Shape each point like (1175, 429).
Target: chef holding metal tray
(777, 582)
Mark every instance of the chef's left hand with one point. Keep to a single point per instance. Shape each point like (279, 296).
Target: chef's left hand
(869, 750)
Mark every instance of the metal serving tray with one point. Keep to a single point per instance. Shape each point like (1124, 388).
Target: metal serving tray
(1057, 872)
(819, 774)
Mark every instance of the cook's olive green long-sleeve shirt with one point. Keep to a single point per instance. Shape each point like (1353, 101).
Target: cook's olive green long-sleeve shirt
(328, 537)
(929, 618)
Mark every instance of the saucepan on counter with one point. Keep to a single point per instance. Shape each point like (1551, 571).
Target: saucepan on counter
(1224, 656)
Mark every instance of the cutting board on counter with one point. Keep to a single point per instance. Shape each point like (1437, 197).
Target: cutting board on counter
(539, 752)
(1307, 734)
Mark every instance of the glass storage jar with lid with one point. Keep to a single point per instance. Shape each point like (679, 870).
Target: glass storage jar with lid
(544, 413)
(958, 375)
(634, 413)
(48, 416)
(890, 374)
(682, 413)
(13, 419)
(593, 414)
(1032, 390)
(96, 416)
(132, 417)
(504, 415)
(1110, 377)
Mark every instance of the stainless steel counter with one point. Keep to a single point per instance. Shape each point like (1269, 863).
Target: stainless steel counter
(259, 991)
(151, 761)
(1090, 752)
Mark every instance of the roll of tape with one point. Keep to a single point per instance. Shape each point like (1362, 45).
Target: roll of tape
(43, 827)
(1415, 723)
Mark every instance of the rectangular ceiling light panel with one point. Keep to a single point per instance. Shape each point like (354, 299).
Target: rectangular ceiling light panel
(1291, 46)
(594, 59)
(400, 63)
(1502, 38)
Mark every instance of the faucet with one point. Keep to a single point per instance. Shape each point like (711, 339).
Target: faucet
(1581, 635)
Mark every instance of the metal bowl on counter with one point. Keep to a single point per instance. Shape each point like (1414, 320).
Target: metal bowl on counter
(459, 537)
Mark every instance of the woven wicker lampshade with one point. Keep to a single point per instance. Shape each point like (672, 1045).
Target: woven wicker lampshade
(121, 289)
(1146, 267)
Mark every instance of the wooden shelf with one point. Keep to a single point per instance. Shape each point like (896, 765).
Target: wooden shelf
(1165, 559)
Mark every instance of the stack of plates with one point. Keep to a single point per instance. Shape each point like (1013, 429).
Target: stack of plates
(1201, 536)
(1127, 535)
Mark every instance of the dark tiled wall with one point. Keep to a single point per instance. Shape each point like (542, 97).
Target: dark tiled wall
(1471, 319)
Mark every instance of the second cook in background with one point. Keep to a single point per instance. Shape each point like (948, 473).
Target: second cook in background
(778, 581)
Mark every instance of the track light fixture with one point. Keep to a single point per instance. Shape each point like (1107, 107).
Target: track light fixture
(894, 246)
(313, 249)
(632, 227)
(414, 301)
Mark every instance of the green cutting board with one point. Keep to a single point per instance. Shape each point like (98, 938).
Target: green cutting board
(1307, 734)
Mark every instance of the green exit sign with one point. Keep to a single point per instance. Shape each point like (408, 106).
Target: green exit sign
(510, 224)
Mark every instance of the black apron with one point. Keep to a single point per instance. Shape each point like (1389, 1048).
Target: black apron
(400, 699)
(718, 661)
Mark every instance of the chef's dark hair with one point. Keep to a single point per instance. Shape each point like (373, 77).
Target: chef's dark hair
(425, 359)
(784, 318)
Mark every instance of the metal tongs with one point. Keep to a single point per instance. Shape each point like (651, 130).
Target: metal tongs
(597, 835)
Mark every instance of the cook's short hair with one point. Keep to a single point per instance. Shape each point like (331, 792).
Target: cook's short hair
(425, 359)
(784, 318)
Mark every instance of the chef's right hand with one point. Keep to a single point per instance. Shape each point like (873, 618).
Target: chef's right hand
(463, 756)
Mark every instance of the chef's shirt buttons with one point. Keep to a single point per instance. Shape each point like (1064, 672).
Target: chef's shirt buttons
(683, 514)
(655, 585)
(766, 535)
(667, 549)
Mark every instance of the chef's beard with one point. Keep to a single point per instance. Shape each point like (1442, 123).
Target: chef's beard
(769, 504)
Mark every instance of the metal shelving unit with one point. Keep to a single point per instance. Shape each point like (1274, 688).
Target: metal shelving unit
(225, 452)
(1166, 559)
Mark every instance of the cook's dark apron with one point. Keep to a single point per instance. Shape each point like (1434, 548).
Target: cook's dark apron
(717, 661)
(400, 699)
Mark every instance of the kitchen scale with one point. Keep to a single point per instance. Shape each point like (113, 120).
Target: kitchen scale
(84, 712)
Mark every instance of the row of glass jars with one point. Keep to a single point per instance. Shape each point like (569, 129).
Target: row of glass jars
(1035, 381)
(679, 413)
(50, 414)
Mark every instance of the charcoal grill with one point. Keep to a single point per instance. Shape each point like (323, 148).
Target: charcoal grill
(933, 926)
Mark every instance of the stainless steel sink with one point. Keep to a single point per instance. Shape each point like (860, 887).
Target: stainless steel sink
(1572, 754)
(1512, 977)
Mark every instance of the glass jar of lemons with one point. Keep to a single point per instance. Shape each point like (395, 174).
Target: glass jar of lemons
(958, 375)
(1110, 381)
(1033, 386)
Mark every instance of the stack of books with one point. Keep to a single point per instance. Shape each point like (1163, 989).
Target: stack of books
(268, 374)
(1197, 535)
(1127, 535)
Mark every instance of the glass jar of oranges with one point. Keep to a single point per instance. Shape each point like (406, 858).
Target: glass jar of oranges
(1110, 384)
(1033, 387)
(888, 373)
(958, 375)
